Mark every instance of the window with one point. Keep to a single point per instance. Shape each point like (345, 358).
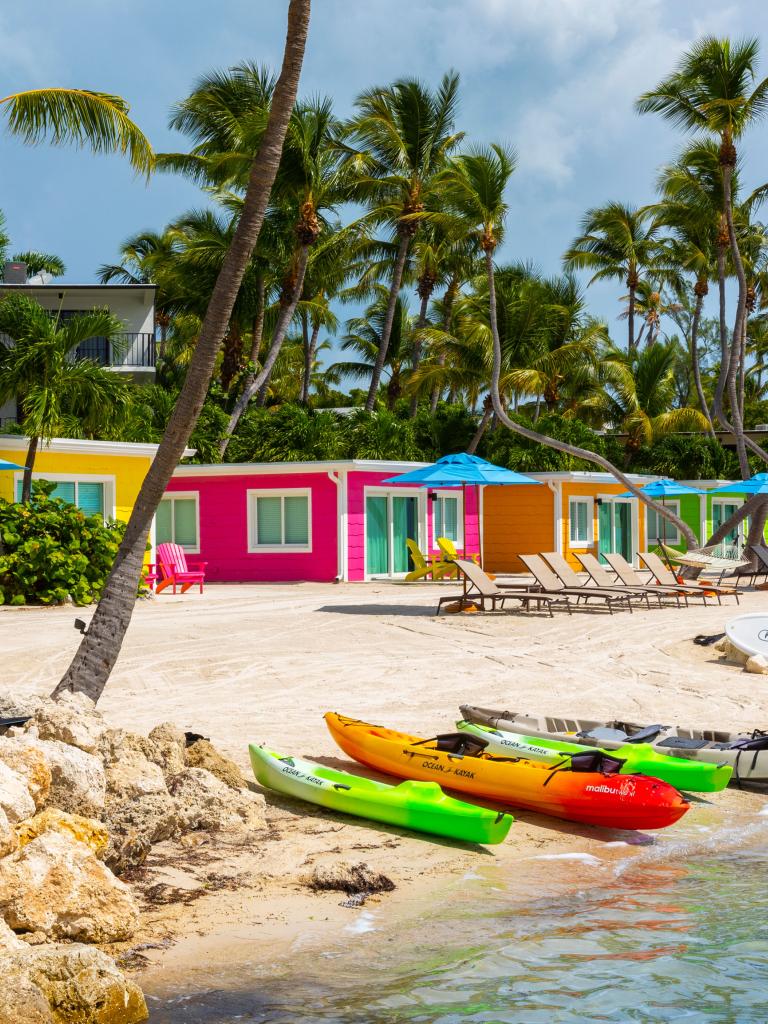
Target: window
(446, 518)
(660, 529)
(177, 521)
(279, 521)
(87, 495)
(580, 518)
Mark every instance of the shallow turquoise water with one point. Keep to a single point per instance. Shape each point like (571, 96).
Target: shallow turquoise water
(659, 940)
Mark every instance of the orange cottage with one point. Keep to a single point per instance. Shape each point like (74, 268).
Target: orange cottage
(568, 512)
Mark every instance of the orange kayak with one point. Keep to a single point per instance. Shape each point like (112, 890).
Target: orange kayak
(594, 797)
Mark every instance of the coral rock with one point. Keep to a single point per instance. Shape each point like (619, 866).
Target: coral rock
(207, 803)
(134, 776)
(56, 885)
(78, 782)
(758, 664)
(8, 840)
(135, 824)
(203, 754)
(85, 830)
(31, 764)
(71, 719)
(15, 798)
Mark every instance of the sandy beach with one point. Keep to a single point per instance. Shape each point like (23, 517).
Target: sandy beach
(263, 663)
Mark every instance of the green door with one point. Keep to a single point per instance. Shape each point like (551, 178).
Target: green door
(376, 536)
(404, 525)
(722, 511)
(622, 530)
(604, 530)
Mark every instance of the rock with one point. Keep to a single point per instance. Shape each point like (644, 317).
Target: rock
(165, 746)
(207, 803)
(14, 706)
(56, 885)
(31, 764)
(8, 839)
(758, 664)
(353, 879)
(85, 830)
(722, 645)
(8, 940)
(203, 754)
(71, 719)
(15, 798)
(135, 824)
(730, 652)
(67, 985)
(78, 781)
(134, 776)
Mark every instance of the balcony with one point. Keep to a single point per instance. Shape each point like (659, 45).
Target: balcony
(124, 351)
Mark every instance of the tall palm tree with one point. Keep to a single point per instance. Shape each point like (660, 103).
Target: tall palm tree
(363, 337)
(715, 91)
(91, 667)
(617, 242)
(475, 188)
(96, 120)
(398, 142)
(52, 387)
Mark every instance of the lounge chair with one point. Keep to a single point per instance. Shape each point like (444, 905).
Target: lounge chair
(603, 579)
(480, 589)
(173, 569)
(449, 552)
(570, 578)
(666, 578)
(761, 552)
(434, 567)
(550, 584)
(627, 575)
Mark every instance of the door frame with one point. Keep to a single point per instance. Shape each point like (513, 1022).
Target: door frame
(634, 524)
(421, 528)
(741, 528)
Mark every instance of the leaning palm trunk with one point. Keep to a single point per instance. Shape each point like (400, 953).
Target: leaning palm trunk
(309, 362)
(420, 325)
(481, 428)
(756, 531)
(258, 382)
(29, 465)
(389, 319)
(100, 647)
(450, 294)
(695, 365)
(562, 446)
(750, 507)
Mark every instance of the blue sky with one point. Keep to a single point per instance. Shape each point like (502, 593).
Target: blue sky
(555, 78)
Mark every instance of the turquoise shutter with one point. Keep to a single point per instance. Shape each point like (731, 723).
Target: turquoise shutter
(90, 499)
(451, 518)
(164, 522)
(65, 491)
(296, 520)
(269, 527)
(185, 522)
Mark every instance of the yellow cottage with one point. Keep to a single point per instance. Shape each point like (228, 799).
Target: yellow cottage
(571, 512)
(100, 477)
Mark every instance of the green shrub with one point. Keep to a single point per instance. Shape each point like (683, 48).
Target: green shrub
(51, 552)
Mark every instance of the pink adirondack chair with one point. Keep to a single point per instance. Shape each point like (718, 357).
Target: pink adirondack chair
(172, 569)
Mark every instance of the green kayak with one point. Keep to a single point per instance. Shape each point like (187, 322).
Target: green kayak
(422, 806)
(638, 758)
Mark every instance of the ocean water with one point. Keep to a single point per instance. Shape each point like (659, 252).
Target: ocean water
(673, 934)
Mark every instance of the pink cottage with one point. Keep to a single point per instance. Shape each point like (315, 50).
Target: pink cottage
(320, 521)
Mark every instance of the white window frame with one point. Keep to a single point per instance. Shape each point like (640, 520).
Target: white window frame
(186, 495)
(457, 497)
(674, 506)
(584, 499)
(78, 478)
(741, 528)
(277, 492)
(421, 524)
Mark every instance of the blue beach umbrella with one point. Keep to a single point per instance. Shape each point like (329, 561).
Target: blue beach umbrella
(757, 484)
(4, 464)
(458, 471)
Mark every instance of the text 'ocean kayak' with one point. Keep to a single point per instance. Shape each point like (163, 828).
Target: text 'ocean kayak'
(639, 759)
(459, 762)
(422, 806)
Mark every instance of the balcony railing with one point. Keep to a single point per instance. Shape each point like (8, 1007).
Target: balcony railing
(124, 350)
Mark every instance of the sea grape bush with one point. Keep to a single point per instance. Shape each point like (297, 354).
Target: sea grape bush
(51, 552)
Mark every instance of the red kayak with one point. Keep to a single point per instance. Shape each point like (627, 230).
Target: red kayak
(583, 787)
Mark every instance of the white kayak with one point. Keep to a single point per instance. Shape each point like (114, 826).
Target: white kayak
(749, 633)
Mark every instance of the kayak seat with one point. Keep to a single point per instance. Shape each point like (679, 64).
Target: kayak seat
(680, 743)
(650, 732)
(460, 743)
(603, 733)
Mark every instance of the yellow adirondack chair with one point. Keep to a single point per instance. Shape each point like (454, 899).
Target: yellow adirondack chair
(435, 567)
(450, 554)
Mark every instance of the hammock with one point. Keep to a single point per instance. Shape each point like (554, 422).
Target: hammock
(702, 559)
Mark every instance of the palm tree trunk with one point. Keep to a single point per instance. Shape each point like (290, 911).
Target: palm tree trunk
(562, 446)
(29, 465)
(98, 651)
(420, 324)
(450, 294)
(386, 331)
(756, 534)
(257, 330)
(309, 362)
(481, 428)
(257, 383)
(631, 345)
(750, 507)
(695, 361)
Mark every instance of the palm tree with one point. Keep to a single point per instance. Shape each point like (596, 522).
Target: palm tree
(475, 189)
(398, 142)
(78, 116)
(91, 667)
(715, 91)
(53, 388)
(363, 337)
(39, 263)
(617, 242)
